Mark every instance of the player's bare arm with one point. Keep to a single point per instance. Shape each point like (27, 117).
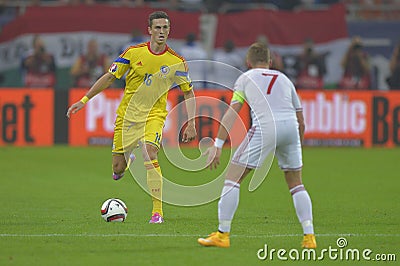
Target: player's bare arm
(302, 126)
(190, 133)
(101, 84)
(214, 152)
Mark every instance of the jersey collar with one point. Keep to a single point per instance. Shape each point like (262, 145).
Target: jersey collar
(163, 52)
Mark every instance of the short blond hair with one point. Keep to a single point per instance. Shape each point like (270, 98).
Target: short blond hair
(258, 53)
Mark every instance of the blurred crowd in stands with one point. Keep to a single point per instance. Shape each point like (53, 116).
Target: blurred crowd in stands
(39, 68)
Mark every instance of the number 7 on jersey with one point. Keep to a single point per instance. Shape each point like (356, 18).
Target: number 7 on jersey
(271, 83)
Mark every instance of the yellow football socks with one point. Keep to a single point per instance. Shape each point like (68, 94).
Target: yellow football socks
(154, 182)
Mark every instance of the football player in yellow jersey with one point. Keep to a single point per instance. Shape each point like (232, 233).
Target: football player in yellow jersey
(152, 69)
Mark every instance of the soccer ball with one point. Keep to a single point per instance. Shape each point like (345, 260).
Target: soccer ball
(114, 210)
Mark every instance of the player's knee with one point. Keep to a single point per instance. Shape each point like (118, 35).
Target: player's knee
(119, 165)
(118, 168)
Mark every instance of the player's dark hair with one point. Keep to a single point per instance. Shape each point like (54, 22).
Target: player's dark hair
(258, 53)
(157, 15)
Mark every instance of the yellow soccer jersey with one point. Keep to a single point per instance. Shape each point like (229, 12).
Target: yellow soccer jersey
(149, 78)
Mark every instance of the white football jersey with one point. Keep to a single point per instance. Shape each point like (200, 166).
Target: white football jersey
(261, 87)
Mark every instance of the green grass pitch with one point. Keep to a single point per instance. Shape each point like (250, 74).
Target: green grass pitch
(51, 198)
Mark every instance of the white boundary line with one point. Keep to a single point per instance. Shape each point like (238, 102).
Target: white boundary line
(176, 235)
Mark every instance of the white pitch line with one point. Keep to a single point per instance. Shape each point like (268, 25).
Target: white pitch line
(173, 235)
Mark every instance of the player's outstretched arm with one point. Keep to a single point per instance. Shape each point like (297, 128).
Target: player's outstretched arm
(214, 152)
(190, 133)
(76, 107)
(102, 83)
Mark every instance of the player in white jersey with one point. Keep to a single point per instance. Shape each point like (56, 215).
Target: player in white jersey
(277, 123)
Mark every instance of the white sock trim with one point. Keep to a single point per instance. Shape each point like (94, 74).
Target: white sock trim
(296, 189)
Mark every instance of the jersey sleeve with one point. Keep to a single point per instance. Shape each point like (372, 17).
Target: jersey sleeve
(239, 91)
(120, 65)
(182, 78)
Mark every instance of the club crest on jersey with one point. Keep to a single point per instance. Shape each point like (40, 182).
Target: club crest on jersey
(113, 68)
(164, 70)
